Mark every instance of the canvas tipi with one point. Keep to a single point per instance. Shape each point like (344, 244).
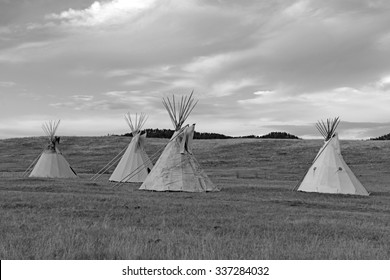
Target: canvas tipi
(135, 164)
(329, 173)
(52, 163)
(177, 168)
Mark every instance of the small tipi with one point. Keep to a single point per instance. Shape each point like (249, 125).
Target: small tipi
(52, 163)
(135, 164)
(329, 173)
(177, 168)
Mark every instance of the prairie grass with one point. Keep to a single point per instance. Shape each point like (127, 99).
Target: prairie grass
(255, 216)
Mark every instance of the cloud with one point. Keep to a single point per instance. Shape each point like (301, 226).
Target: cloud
(7, 84)
(346, 102)
(115, 93)
(207, 64)
(98, 105)
(109, 101)
(263, 92)
(131, 97)
(112, 12)
(82, 97)
(383, 83)
(26, 51)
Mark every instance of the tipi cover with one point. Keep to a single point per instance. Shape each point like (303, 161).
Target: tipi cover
(177, 168)
(52, 163)
(329, 172)
(135, 164)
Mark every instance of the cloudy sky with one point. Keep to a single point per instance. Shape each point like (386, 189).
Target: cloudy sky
(255, 66)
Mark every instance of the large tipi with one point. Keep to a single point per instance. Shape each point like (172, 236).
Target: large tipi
(135, 164)
(177, 168)
(329, 173)
(51, 162)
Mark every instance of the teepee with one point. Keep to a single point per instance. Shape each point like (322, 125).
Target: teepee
(51, 162)
(177, 168)
(329, 173)
(135, 164)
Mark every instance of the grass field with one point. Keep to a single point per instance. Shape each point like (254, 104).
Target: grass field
(255, 216)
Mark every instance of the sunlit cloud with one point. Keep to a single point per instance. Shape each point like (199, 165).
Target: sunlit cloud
(263, 92)
(102, 13)
(82, 97)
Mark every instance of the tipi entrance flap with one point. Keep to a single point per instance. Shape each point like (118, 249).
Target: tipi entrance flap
(186, 142)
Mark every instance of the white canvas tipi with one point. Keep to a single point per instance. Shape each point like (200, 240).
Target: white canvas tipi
(329, 173)
(135, 164)
(177, 168)
(52, 163)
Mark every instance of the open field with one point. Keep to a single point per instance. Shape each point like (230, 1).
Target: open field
(255, 216)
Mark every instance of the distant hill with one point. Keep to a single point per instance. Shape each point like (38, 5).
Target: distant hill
(384, 137)
(273, 135)
(167, 133)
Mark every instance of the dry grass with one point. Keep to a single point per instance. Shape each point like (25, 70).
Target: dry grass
(253, 217)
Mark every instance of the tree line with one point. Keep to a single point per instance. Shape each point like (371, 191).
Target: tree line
(383, 137)
(272, 135)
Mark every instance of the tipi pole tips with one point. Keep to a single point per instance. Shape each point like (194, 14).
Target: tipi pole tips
(50, 128)
(136, 122)
(328, 128)
(180, 110)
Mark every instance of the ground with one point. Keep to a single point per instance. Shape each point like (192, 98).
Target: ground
(256, 215)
